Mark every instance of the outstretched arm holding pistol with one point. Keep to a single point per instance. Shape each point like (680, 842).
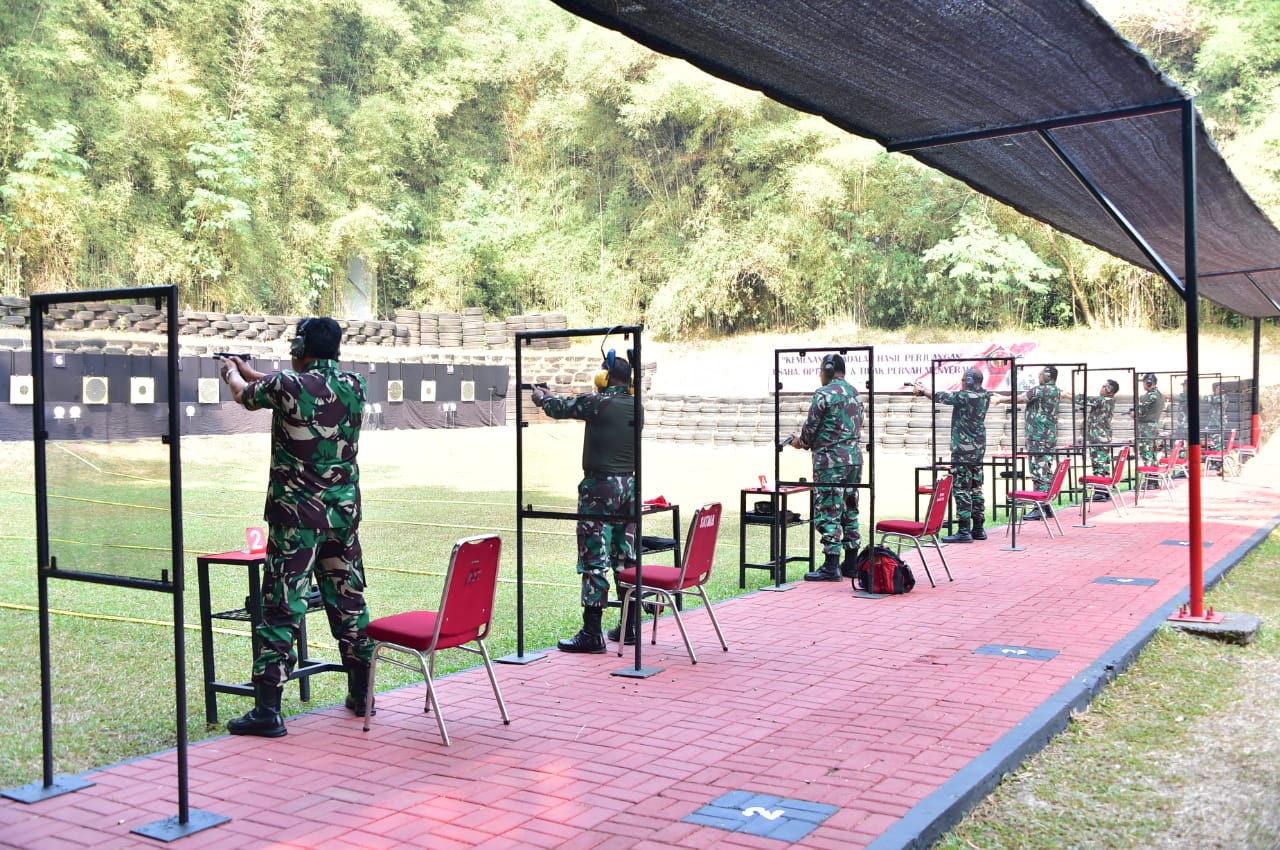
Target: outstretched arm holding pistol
(237, 374)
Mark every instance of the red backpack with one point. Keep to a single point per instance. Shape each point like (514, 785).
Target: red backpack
(879, 570)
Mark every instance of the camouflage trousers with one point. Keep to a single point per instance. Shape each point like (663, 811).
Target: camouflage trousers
(966, 489)
(294, 556)
(1148, 432)
(604, 546)
(835, 508)
(1100, 459)
(1040, 459)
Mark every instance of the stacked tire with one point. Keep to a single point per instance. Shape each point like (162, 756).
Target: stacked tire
(450, 330)
(429, 330)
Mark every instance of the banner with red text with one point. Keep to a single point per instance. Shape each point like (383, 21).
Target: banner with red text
(897, 366)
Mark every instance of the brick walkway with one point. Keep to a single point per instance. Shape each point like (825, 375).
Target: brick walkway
(832, 722)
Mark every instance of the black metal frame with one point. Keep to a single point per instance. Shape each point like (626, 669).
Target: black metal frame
(1187, 286)
(1131, 474)
(1015, 395)
(523, 339)
(188, 821)
(938, 463)
(869, 434)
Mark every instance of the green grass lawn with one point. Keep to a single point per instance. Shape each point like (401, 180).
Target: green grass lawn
(113, 648)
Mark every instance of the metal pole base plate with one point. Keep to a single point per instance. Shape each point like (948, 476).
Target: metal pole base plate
(34, 792)
(170, 830)
(527, 658)
(637, 673)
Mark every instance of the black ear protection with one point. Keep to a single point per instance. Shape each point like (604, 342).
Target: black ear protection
(1149, 379)
(298, 348)
(829, 365)
(972, 379)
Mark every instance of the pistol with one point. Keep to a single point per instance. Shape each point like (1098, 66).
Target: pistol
(538, 386)
(226, 354)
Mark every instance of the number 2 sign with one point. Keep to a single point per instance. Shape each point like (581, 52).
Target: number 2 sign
(256, 540)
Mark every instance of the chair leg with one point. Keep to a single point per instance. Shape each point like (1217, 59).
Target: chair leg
(1059, 524)
(1043, 510)
(369, 696)
(431, 703)
(493, 680)
(715, 624)
(923, 562)
(668, 599)
(622, 629)
(937, 544)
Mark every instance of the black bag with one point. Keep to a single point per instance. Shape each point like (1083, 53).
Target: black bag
(879, 570)
(765, 509)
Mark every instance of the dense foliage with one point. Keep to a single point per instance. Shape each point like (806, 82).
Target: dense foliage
(504, 154)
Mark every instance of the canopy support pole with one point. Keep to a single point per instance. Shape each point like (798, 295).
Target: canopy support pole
(1192, 304)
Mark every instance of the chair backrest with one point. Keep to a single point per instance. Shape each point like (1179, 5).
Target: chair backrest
(1171, 459)
(1058, 478)
(700, 546)
(938, 507)
(1118, 471)
(1231, 442)
(470, 585)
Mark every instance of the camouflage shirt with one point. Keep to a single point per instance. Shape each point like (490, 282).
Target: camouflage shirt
(315, 433)
(609, 444)
(1042, 414)
(1211, 417)
(968, 423)
(833, 428)
(1150, 406)
(1098, 412)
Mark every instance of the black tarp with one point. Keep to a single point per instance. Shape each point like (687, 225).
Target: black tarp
(911, 73)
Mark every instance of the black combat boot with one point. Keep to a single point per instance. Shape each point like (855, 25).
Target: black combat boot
(829, 571)
(264, 718)
(358, 687)
(849, 566)
(633, 625)
(978, 532)
(962, 534)
(590, 638)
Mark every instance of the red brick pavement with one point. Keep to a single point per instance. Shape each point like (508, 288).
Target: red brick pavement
(879, 708)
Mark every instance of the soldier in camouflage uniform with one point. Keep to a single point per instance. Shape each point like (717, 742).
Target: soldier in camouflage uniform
(1148, 410)
(608, 488)
(1041, 430)
(833, 432)
(1098, 412)
(1212, 425)
(968, 449)
(313, 514)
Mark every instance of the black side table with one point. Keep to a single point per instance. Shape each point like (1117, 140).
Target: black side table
(251, 613)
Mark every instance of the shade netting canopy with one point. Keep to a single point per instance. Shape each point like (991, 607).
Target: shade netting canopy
(1016, 98)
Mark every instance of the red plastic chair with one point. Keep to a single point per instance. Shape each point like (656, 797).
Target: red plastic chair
(1247, 451)
(1109, 484)
(1042, 499)
(1161, 472)
(690, 577)
(1225, 458)
(466, 607)
(903, 530)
